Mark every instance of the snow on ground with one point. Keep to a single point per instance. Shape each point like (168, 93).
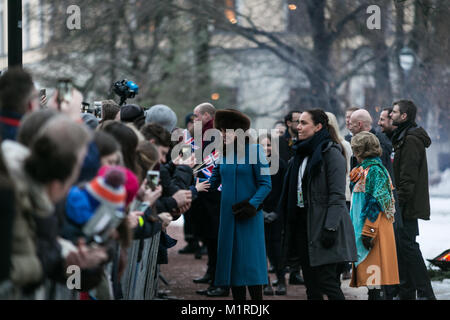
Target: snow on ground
(434, 237)
(442, 189)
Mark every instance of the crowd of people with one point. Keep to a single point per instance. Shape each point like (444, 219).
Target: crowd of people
(336, 208)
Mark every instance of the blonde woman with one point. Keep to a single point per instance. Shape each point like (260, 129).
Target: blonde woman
(372, 212)
(332, 121)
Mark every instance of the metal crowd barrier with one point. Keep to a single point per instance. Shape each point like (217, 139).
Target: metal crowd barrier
(140, 279)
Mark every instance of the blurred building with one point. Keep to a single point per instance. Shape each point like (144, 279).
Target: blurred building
(252, 77)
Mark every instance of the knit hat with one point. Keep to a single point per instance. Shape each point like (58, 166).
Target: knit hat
(162, 115)
(109, 188)
(90, 120)
(130, 112)
(131, 182)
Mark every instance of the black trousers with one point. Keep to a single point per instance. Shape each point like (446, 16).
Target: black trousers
(320, 280)
(239, 293)
(190, 233)
(272, 233)
(211, 246)
(411, 266)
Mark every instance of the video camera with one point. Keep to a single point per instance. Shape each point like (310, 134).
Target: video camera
(125, 90)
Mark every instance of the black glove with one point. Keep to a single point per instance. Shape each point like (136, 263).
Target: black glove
(328, 238)
(243, 210)
(270, 217)
(367, 242)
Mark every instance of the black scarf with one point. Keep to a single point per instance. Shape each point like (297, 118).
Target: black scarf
(399, 134)
(312, 148)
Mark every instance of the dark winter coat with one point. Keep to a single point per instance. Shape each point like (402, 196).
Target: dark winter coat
(411, 171)
(324, 191)
(270, 204)
(173, 178)
(205, 209)
(286, 144)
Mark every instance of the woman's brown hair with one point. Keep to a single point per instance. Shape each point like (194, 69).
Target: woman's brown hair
(319, 116)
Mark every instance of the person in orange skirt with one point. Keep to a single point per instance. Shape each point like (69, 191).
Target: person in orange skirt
(372, 212)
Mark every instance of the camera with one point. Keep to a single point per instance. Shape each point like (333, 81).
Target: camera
(86, 107)
(125, 90)
(98, 109)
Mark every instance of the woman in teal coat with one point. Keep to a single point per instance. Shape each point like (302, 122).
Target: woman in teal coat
(245, 178)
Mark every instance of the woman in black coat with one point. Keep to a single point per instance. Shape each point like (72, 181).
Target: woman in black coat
(318, 230)
(272, 219)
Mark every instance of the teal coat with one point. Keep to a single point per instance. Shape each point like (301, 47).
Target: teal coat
(241, 253)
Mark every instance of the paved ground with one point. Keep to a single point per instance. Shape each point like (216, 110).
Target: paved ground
(183, 268)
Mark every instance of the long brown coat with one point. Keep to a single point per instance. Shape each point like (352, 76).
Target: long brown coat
(380, 266)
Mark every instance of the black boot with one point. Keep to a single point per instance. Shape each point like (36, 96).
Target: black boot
(207, 278)
(281, 287)
(218, 292)
(190, 248)
(295, 278)
(268, 290)
(376, 294)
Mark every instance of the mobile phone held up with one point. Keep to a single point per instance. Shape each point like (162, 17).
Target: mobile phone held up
(64, 87)
(152, 179)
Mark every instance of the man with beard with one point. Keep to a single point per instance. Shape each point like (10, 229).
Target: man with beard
(385, 122)
(411, 179)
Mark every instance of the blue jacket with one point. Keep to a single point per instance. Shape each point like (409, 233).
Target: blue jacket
(241, 253)
(9, 124)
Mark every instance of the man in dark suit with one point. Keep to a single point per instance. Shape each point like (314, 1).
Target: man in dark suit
(206, 209)
(286, 142)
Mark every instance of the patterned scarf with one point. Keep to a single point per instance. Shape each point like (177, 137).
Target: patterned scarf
(376, 187)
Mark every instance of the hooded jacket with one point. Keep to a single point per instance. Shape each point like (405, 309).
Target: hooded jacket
(31, 202)
(411, 171)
